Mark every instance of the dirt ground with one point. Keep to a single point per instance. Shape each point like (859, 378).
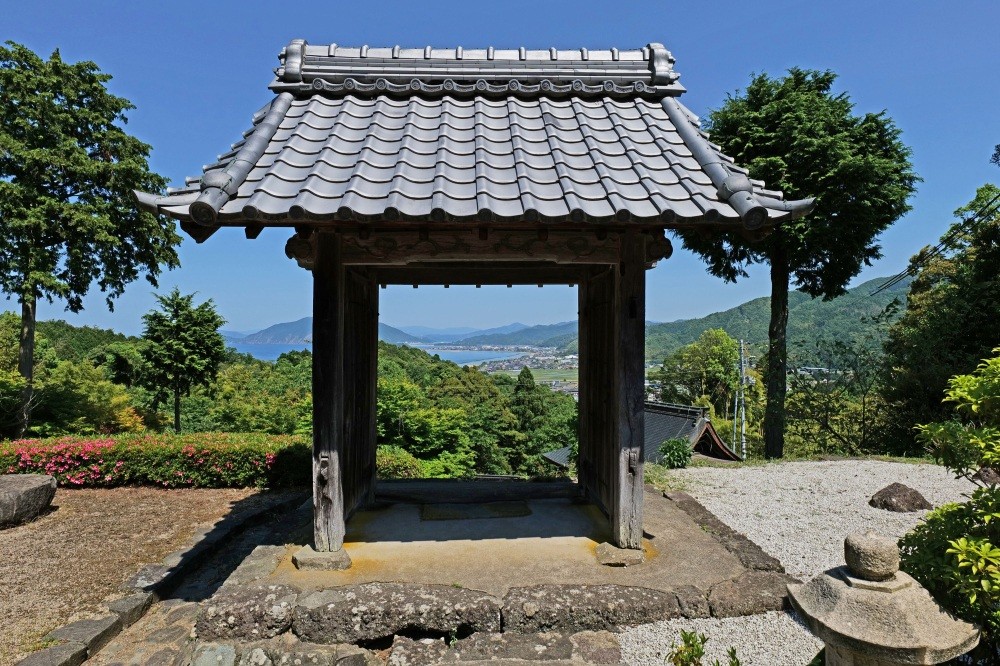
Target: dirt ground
(60, 567)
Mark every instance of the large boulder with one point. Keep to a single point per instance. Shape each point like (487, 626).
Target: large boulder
(899, 498)
(585, 607)
(379, 610)
(24, 496)
(247, 613)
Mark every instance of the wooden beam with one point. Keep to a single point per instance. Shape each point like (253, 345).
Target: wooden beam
(404, 247)
(630, 325)
(480, 274)
(328, 394)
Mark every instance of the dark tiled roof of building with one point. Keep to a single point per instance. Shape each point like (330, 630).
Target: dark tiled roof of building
(664, 421)
(366, 135)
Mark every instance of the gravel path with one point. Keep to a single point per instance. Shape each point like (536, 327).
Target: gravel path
(799, 512)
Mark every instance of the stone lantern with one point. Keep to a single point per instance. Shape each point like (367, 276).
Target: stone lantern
(869, 613)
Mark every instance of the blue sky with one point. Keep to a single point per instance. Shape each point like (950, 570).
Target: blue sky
(198, 70)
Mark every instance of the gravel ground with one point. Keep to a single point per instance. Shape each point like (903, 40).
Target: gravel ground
(799, 512)
(61, 566)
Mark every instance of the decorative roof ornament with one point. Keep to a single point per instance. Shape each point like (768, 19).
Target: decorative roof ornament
(369, 135)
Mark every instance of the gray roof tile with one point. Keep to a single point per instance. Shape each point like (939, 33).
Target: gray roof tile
(340, 142)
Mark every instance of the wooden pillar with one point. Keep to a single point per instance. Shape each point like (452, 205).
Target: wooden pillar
(612, 305)
(360, 365)
(328, 394)
(629, 391)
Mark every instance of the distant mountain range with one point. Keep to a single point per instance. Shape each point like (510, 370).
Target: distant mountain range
(300, 331)
(809, 320)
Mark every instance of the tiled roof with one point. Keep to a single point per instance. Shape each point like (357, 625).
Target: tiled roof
(429, 135)
(663, 421)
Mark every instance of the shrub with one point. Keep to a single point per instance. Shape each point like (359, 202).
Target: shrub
(954, 553)
(202, 460)
(676, 453)
(691, 651)
(393, 462)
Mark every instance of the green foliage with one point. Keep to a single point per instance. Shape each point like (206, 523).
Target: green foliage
(800, 137)
(676, 453)
(692, 650)
(67, 170)
(77, 398)
(851, 316)
(169, 461)
(950, 321)
(393, 462)
(836, 406)
(706, 369)
(954, 552)
(183, 348)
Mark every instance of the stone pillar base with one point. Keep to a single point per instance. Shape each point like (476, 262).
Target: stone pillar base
(308, 559)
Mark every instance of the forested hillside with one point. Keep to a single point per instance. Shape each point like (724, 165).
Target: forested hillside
(300, 331)
(848, 317)
(434, 418)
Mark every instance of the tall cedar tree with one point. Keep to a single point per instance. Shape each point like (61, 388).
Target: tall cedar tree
(798, 136)
(67, 170)
(184, 348)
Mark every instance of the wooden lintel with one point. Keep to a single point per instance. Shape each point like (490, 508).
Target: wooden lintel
(478, 274)
(405, 247)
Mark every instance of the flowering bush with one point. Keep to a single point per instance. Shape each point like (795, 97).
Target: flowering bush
(201, 460)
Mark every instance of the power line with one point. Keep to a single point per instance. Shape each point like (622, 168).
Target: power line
(942, 245)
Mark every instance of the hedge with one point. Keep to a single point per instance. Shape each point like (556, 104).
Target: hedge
(199, 460)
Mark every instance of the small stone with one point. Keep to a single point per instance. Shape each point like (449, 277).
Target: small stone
(611, 556)
(94, 634)
(129, 609)
(899, 498)
(255, 657)
(67, 654)
(752, 593)
(871, 557)
(309, 559)
(24, 496)
(693, 602)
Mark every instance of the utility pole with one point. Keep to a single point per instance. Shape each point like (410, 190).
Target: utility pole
(743, 402)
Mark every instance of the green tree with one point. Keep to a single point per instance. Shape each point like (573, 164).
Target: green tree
(705, 371)
(184, 348)
(797, 135)
(955, 552)
(67, 171)
(950, 321)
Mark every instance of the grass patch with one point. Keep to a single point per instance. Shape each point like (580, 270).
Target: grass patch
(663, 478)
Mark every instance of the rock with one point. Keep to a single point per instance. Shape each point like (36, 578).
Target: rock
(612, 556)
(988, 476)
(214, 654)
(67, 654)
(24, 496)
(309, 559)
(413, 651)
(131, 608)
(871, 557)
(94, 634)
(379, 610)
(692, 602)
(288, 650)
(250, 613)
(899, 498)
(584, 607)
(752, 593)
(596, 647)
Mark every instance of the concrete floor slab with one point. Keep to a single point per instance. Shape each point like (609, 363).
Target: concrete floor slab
(555, 543)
